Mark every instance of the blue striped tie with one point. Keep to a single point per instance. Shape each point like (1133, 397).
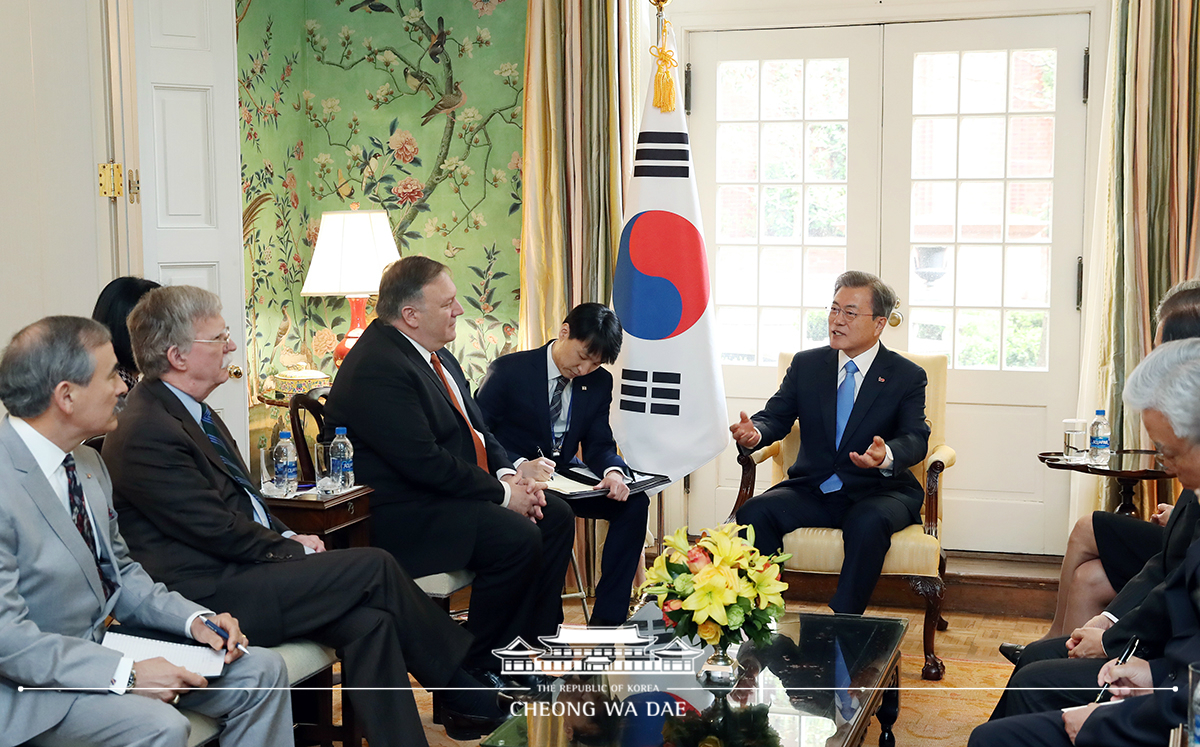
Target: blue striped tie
(233, 464)
(845, 403)
(556, 411)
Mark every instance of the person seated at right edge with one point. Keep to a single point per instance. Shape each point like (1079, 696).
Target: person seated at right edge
(1165, 388)
(861, 409)
(545, 405)
(1107, 550)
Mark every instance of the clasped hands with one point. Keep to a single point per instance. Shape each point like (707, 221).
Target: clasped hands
(159, 679)
(747, 436)
(525, 494)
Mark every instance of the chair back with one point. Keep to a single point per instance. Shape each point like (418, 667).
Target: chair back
(312, 404)
(935, 416)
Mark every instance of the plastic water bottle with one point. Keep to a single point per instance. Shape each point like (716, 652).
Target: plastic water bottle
(284, 456)
(341, 458)
(1098, 446)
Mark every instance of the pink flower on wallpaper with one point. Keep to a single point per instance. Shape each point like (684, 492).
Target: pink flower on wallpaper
(514, 163)
(295, 200)
(403, 145)
(324, 341)
(289, 182)
(310, 233)
(299, 149)
(409, 190)
(485, 7)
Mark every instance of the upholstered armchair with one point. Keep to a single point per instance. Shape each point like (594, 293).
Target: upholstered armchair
(916, 553)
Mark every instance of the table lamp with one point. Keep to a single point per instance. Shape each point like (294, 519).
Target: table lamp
(353, 247)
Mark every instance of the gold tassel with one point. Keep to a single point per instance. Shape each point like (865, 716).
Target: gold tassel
(664, 81)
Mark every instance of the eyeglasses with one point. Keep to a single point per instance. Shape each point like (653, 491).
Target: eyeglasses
(850, 316)
(222, 338)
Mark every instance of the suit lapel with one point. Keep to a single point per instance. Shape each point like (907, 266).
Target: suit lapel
(35, 484)
(874, 380)
(538, 382)
(826, 385)
(176, 410)
(94, 495)
(424, 367)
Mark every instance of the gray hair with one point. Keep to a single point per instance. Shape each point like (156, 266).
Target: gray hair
(166, 317)
(883, 298)
(1168, 380)
(43, 355)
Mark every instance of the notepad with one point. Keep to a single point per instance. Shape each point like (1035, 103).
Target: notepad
(200, 659)
(570, 483)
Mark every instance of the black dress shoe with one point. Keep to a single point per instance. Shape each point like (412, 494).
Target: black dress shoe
(1012, 651)
(465, 726)
(489, 678)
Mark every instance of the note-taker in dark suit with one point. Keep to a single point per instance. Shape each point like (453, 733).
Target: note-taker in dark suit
(825, 487)
(515, 401)
(433, 507)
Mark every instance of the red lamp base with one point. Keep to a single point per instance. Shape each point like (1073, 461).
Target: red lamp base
(358, 325)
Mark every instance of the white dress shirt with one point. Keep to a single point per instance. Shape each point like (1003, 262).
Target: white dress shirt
(462, 403)
(49, 459)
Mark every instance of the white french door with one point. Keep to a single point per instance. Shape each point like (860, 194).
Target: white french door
(964, 163)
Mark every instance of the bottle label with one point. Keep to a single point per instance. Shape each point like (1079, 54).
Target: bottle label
(1099, 442)
(347, 465)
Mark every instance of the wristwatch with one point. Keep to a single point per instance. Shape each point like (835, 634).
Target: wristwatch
(132, 680)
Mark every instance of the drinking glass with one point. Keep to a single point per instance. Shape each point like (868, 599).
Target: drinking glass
(1075, 440)
(327, 482)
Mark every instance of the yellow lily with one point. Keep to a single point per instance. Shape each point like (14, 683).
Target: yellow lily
(712, 594)
(725, 546)
(770, 588)
(658, 573)
(678, 541)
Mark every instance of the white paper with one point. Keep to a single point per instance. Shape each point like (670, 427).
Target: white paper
(202, 660)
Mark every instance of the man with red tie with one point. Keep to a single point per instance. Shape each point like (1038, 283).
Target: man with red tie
(446, 494)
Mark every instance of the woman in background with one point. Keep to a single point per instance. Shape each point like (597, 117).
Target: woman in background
(112, 307)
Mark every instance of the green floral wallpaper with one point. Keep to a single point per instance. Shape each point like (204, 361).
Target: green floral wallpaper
(412, 106)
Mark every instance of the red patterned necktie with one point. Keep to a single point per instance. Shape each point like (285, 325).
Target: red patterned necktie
(80, 517)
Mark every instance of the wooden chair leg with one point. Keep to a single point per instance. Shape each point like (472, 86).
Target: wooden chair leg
(932, 590)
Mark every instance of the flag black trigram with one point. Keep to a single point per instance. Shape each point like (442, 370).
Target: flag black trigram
(662, 154)
(656, 392)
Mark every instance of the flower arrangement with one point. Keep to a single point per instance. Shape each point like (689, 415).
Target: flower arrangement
(719, 589)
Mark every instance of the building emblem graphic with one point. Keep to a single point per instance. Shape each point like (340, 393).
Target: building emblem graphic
(578, 650)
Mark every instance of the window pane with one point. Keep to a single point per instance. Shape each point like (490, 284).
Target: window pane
(933, 211)
(1029, 213)
(737, 331)
(983, 81)
(779, 332)
(783, 89)
(737, 213)
(934, 145)
(828, 94)
(1033, 80)
(1031, 146)
(978, 339)
(737, 90)
(1025, 340)
(826, 152)
(826, 215)
(978, 281)
(736, 275)
(782, 152)
(980, 211)
(981, 148)
(780, 275)
(931, 281)
(1027, 276)
(781, 212)
(935, 83)
(816, 328)
(931, 332)
(737, 152)
(822, 265)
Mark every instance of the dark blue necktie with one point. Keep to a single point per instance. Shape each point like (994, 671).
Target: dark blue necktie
(845, 404)
(556, 410)
(230, 461)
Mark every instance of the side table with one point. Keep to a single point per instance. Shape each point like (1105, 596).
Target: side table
(341, 519)
(1127, 467)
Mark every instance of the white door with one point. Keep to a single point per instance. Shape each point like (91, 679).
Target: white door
(187, 123)
(1006, 401)
(786, 132)
(982, 229)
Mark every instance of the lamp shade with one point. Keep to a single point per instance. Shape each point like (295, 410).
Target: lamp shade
(353, 248)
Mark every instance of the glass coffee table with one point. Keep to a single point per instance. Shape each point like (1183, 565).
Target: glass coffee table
(817, 683)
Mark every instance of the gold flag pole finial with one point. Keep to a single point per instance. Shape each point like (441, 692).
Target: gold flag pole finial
(664, 81)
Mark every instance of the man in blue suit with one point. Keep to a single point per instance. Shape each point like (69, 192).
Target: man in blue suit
(545, 406)
(861, 409)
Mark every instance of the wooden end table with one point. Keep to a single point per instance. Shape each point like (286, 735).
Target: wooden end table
(1128, 468)
(340, 519)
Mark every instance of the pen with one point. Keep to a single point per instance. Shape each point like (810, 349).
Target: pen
(221, 632)
(1124, 657)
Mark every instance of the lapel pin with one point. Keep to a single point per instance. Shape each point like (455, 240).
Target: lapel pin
(89, 475)
(880, 379)
(584, 387)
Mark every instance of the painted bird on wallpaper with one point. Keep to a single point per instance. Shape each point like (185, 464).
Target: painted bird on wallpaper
(449, 103)
(417, 84)
(372, 5)
(344, 187)
(438, 44)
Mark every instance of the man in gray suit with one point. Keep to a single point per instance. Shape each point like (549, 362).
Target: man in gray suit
(64, 569)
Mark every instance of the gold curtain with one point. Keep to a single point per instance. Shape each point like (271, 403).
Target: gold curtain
(1147, 232)
(578, 135)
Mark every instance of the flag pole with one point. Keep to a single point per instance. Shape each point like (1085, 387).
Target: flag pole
(664, 81)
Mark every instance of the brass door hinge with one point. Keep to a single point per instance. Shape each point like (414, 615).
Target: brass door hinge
(112, 185)
(135, 186)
